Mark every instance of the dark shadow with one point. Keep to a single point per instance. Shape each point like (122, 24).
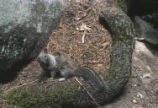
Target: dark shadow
(152, 48)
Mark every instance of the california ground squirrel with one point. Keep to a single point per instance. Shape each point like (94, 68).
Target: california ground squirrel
(60, 63)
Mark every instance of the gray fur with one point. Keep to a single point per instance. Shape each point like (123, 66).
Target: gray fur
(57, 63)
(63, 65)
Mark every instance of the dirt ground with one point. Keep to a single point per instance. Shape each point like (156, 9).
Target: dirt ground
(81, 36)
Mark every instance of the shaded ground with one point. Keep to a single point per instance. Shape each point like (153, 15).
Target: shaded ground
(80, 19)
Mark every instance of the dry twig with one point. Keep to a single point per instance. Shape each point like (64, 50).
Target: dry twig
(89, 94)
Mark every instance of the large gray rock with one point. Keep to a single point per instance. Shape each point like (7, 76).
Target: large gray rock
(25, 27)
(145, 31)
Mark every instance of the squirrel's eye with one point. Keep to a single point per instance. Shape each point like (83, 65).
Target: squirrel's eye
(46, 57)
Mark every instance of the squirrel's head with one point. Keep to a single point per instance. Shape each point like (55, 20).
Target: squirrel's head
(46, 60)
(43, 58)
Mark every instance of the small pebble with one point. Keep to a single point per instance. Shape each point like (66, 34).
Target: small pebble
(135, 85)
(139, 95)
(147, 76)
(134, 101)
(61, 79)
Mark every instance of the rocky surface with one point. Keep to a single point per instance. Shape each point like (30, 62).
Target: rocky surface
(140, 91)
(146, 9)
(116, 77)
(25, 27)
(142, 88)
(146, 32)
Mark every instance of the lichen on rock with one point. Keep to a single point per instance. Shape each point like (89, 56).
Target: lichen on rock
(33, 97)
(25, 27)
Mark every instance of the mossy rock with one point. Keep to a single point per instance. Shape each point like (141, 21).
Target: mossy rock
(35, 96)
(123, 4)
(68, 94)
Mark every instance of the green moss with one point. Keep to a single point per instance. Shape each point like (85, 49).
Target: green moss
(110, 71)
(122, 32)
(27, 97)
(123, 4)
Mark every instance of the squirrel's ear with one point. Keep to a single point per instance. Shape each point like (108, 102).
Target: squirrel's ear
(57, 53)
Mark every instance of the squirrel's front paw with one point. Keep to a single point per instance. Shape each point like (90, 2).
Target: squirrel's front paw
(61, 79)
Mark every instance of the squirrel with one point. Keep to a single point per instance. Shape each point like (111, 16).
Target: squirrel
(56, 64)
(60, 63)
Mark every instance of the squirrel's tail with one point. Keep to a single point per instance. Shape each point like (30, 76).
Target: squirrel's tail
(96, 82)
